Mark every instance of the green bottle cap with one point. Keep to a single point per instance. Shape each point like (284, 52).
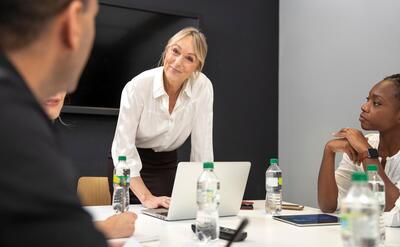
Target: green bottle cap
(208, 165)
(122, 157)
(273, 161)
(359, 176)
(372, 167)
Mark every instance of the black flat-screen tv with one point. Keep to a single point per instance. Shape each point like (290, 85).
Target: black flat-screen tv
(128, 41)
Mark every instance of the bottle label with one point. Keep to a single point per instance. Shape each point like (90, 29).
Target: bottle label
(345, 226)
(207, 196)
(121, 180)
(273, 182)
(344, 220)
(365, 225)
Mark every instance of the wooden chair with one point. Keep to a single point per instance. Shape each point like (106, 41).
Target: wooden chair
(94, 191)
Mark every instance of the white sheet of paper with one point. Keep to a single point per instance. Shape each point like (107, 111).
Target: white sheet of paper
(132, 242)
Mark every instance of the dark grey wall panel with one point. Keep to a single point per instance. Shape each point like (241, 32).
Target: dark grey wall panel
(242, 64)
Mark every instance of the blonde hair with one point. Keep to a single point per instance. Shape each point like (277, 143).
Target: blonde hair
(199, 44)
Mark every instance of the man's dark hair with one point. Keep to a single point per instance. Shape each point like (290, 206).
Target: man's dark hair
(21, 21)
(396, 80)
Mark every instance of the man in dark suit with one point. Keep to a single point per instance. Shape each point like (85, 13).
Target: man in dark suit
(44, 45)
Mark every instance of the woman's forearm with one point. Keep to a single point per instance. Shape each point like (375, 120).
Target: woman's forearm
(140, 189)
(392, 193)
(327, 188)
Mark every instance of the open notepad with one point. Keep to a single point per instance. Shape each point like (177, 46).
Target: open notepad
(137, 240)
(103, 212)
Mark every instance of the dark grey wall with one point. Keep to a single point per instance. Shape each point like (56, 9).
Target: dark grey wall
(242, 63)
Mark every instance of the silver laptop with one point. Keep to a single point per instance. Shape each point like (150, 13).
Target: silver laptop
(233, 178)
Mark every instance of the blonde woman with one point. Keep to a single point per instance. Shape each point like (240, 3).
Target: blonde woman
(160, 108)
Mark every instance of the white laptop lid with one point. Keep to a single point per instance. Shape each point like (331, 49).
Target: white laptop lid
(233, 178)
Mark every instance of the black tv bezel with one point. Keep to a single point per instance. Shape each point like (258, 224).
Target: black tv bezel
(109, 111)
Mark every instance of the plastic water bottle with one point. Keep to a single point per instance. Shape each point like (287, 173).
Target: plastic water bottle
(121, 181)
(359, 217)
(377, 187)
(273, 187)
(207, 227)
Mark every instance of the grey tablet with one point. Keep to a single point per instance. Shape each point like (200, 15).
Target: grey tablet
(308, 219)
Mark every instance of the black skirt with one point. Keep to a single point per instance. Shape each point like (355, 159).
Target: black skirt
(158, 172)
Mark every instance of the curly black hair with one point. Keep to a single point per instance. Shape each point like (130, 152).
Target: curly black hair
(396, 81)
(22, 21)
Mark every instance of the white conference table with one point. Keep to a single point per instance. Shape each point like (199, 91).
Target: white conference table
(262, 230)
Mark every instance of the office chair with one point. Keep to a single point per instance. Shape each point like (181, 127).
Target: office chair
(94, 191)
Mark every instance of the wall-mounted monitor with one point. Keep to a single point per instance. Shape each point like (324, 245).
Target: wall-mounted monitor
(128, 41)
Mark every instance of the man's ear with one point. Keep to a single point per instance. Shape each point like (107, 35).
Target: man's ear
(72, 20)
(398, 116)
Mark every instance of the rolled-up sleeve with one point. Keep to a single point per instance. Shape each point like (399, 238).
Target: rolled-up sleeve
(201, 135)
(125, 132)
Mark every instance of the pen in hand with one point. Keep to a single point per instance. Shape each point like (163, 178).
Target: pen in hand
(242, 225)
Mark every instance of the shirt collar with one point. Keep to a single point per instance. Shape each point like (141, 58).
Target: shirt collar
(187, 87)
(158, 85)
(9, 69)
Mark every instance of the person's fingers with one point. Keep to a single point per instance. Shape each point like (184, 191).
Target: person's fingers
(350, 153)
(151, 204)
(165, 204)
(131, 215)
(354, 154)
(357, 157)
(116, 244)
(339, 134)
(342, 132)
(338, 145)
(356, 161)
(166, 201)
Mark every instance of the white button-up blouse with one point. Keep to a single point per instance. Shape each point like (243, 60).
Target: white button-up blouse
(392, 169)
(145, 122)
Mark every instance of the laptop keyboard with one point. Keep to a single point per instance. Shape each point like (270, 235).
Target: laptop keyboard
(163, 213)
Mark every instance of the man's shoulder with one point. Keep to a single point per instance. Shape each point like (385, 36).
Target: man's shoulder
(13, 92)
(20, 112)
(25, 130)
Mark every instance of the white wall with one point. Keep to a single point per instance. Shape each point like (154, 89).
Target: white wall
(331, 53)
